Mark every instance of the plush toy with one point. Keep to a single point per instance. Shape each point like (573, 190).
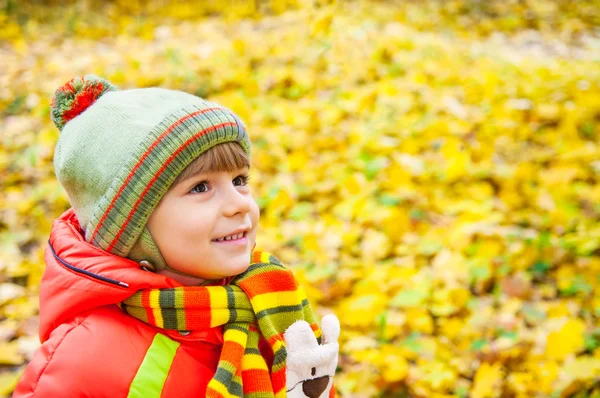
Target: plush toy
(310, 365)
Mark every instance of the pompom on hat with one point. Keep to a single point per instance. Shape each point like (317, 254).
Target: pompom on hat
(76, 96)
(119, 152)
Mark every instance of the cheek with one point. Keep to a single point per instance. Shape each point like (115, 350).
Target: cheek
(182, 225)
(254, 213)
(193, 227)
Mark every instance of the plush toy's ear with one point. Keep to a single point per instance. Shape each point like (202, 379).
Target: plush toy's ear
(331, 328)
(299, 336)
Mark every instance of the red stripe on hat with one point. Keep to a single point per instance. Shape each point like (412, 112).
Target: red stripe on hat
(139, 163)
(153, 180)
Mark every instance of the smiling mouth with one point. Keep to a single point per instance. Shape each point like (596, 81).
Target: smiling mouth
(240, 237)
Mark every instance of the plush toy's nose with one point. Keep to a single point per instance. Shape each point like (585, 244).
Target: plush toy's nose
(315, 387)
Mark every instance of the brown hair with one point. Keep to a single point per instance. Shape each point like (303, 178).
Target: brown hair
(228, 156)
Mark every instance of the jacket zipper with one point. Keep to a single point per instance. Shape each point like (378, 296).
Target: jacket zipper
(87, 273)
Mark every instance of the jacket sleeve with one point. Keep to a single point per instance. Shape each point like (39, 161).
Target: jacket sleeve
(32, 382)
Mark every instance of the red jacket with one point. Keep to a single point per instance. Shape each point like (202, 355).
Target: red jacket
(91, 348)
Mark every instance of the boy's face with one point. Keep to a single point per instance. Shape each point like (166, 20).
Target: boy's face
(198, 210)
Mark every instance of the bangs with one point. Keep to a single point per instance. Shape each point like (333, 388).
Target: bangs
(228, 156)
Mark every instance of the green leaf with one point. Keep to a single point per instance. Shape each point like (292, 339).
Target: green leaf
(389, 200)
(409, 298)
(301, 211)
(540, 267)
(479, 344)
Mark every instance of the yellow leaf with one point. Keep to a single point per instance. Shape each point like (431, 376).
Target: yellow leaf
(298, 160)
(9, 353)
(569, 339)
(361, 311)
(375, 245)
(419, 320)
(322, 24)
(488, 381)
(436, 375)
(8, 381)
(393, 364)
(546, 373)
(396, 224)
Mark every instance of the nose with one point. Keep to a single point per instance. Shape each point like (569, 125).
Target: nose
(315, 387)
(235, 202)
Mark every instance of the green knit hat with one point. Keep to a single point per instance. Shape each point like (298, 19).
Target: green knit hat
(119, 151)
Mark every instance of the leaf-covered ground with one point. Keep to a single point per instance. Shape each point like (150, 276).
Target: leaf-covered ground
(430, 170)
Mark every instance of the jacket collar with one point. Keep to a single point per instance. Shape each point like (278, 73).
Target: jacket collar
(80, 277)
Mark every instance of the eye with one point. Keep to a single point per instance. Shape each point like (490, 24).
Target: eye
(198, 188)
(242, 180)
(313, 371)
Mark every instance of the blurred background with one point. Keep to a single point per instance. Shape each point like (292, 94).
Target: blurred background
(428, 168)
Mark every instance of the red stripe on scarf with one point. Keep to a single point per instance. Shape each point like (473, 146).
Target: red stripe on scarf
(196, 297)
(201, 300)
(269, 282)
(232, 352)
(278, 380)
(256, 380)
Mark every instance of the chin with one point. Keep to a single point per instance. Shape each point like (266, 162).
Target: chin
(239, 268)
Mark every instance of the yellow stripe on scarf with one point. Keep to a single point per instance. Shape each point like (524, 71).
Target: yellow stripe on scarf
(219, 388)
(155, 303)
(219, 317)
(218, 299)
(238, 336)
(253, 361)
(277, 299)
(264, 257)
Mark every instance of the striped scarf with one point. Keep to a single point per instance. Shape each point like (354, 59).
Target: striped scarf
(264, 300)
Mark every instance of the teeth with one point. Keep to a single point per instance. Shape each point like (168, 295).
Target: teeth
(230, 237)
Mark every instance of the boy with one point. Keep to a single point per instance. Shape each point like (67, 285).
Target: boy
(152, 285)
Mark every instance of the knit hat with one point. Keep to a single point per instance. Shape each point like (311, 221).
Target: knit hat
(119, 151)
